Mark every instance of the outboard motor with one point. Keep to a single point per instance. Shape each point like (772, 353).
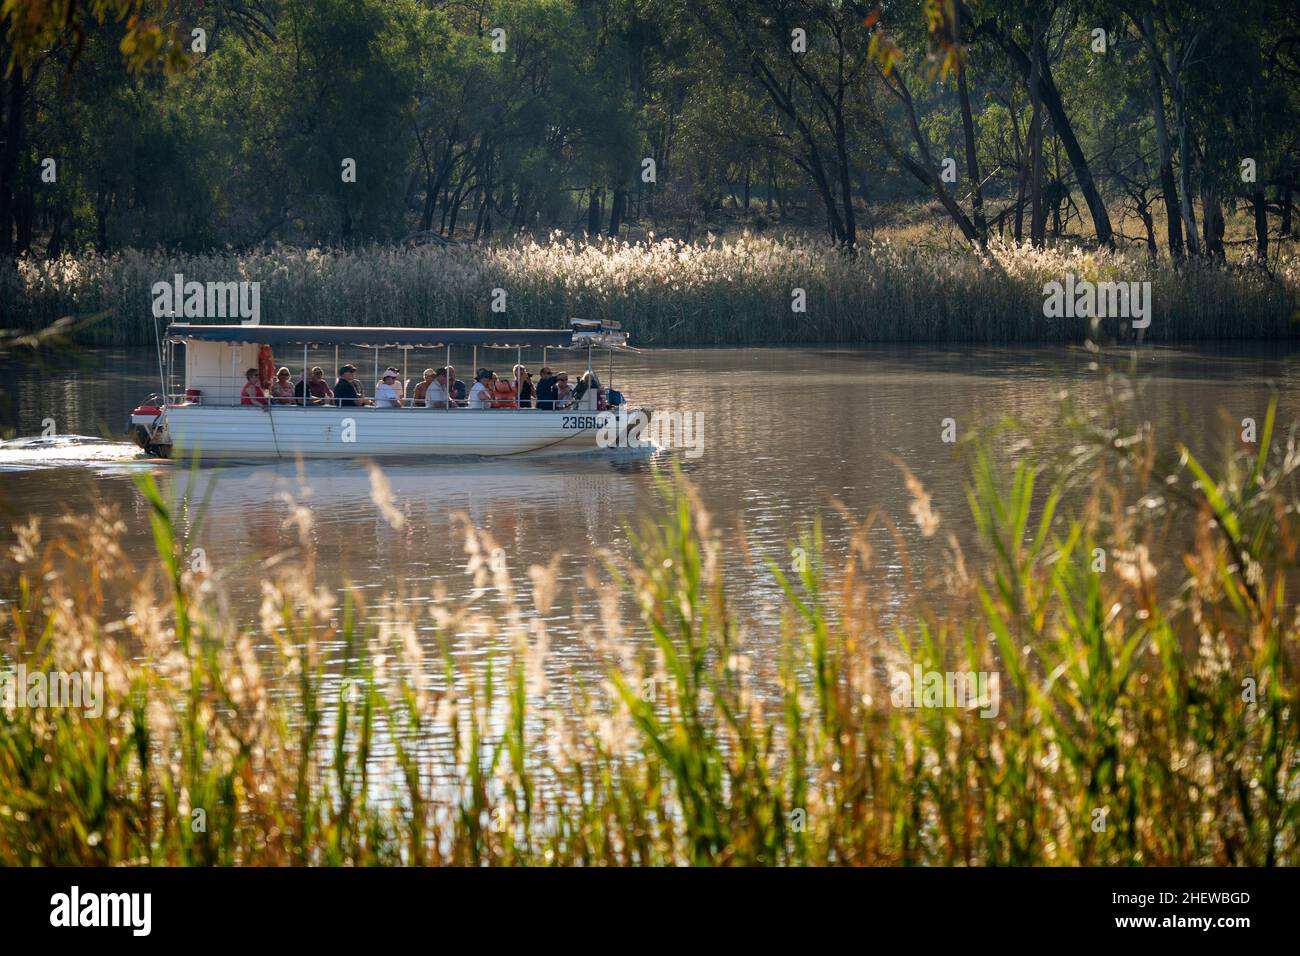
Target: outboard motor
(144, 419)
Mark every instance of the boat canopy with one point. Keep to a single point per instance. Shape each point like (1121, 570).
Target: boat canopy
(379, 337)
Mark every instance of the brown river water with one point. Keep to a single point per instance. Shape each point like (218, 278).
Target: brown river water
(785, 434)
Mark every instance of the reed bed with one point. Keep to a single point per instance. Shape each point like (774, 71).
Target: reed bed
(668, 292)
(1147, 711)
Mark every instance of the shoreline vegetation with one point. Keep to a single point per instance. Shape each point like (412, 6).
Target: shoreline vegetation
(738, 290)
(1148, 710)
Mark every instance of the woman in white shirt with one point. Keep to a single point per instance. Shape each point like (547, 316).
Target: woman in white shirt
(386, 394)
(563, 391)
(480, 396)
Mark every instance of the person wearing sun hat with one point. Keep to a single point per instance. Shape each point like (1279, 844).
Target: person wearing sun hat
(386, 393)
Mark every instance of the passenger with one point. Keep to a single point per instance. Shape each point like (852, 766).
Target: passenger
(316, 391)
(480, 396)
(347, 390)
(563, 393)
(419, 395)
(282, 390)
(457, 387)
(435, 395)
(386, 393)
(253, 393)
(503, 393)
(546, 389)
(526, 391)
(399, 383)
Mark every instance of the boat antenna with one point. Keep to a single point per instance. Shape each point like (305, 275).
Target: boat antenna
(157, 341)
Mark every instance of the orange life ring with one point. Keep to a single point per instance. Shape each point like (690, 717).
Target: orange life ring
(265, 365)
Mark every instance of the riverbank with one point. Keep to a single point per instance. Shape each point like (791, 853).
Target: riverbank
(746, 290)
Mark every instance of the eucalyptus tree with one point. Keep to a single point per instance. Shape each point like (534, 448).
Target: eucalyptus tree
(810, 58)
(1031, 35)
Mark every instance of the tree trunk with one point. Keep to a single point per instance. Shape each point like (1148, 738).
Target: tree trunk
(850, 237)
(436, 181)
(972, 158)
(24, 214)
(1185, 169)
(1212, 225)
(593, 212)
(481, 220)
(1284, 191)
(1168, 187)
(1022, 168)
(1037, 223)
(1261, 227)
(617, 209)
(9, 159)
(54, 248)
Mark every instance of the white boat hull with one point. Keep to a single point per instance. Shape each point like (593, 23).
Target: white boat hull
(247, 432)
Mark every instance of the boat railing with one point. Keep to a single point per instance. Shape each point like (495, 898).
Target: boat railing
(192, 397)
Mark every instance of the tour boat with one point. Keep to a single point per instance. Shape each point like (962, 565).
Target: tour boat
(205, 416)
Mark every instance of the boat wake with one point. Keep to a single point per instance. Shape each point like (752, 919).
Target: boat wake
(63, 451)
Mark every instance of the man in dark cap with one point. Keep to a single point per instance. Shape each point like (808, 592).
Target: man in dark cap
(348, 390)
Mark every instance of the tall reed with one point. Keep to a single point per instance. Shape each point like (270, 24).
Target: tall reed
(667, 292)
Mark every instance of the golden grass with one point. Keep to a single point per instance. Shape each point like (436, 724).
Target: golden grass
(908, 286)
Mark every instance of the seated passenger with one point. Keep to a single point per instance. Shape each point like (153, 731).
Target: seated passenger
(282, 390)
(253, 393)
(546, 389)
(316, 391)
(503, 393)
(435, 396)
(386, 393)
(563, 392)
(526, 390)
(587, 383)
(347, 390)
(455, 386)
(480, 396)
(419, 395)
(399, 383)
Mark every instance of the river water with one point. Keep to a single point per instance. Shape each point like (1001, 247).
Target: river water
(785, 434)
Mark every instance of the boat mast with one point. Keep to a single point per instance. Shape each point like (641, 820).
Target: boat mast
(157, 340)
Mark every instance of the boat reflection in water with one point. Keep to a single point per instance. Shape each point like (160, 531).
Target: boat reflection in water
(406, 539)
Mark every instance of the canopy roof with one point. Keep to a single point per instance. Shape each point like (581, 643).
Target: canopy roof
(375, 337)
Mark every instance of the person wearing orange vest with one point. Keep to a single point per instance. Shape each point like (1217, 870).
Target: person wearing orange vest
(503, 393)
